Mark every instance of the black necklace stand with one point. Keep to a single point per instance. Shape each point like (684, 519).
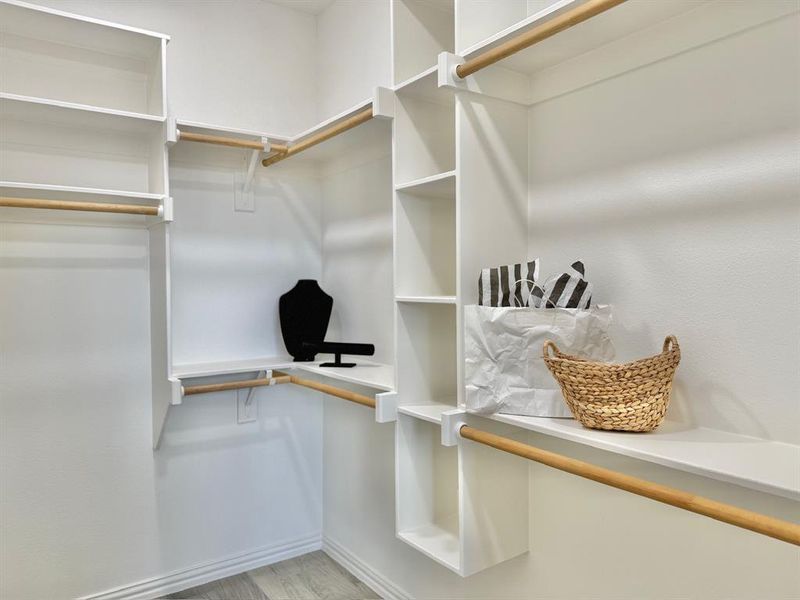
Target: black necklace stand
(305, 312)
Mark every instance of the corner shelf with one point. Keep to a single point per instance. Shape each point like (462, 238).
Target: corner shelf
(366, 373)
(367, 135)
(210, 369)
(195, 153)
(763, 465)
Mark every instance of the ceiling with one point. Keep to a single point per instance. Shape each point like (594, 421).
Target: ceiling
(310, 6)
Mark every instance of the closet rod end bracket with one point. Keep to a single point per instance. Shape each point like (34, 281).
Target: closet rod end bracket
(386, 407)
(447, 76)
(452, 422)
(383, 103)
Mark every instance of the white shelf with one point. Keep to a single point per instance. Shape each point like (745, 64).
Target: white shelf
(29, 20)
(366, 373)
(369, 374)
(437, 542)
(767, 466)
(22, 189)
(209, 369)
(247, 134)
(427, 299)
(427, 412)
(442, 185)
(56, 112)
(366, 135)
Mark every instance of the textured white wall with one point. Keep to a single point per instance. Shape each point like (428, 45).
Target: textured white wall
(356, 201)
(353, 54)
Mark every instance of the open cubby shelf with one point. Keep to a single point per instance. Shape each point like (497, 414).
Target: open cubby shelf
(63, 58)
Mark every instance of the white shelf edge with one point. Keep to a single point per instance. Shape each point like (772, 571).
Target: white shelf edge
(381, 376)
(327, 122)
(426, 299)
(415, 78)
(427, 412)
(67, 15)
(222, 129)
(45, 187)
(424, 181)
(84, 108)
(673, 436)
(528, 22)
(232, 367)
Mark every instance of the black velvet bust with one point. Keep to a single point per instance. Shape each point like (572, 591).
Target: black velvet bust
(305, 312)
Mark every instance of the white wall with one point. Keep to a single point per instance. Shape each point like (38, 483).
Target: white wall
(86, 505)
(357, 248)
(353, 54)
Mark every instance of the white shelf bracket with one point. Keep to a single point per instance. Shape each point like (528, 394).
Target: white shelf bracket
(383, 103)
(386, 407)
(172, 133)
(452, 421)
(244, 199)
(176, 396)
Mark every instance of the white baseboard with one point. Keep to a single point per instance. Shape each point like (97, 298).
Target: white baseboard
(211, 571)
(388, 590)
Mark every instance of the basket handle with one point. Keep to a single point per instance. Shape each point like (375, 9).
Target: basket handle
(550, 346)
(671, 343)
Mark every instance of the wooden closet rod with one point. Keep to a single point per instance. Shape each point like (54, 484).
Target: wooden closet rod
(331, 390)
(526, 39)
(131, 209)
(759, 523)
(190, 390)
(228, 141)
(277, 378)
(360, 117)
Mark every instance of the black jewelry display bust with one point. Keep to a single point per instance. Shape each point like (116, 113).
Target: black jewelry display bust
(305, 312)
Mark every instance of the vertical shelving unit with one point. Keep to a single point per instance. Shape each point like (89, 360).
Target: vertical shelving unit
(443, 510)
(90, 96)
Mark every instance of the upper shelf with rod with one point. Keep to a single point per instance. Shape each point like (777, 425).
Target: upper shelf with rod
(585, 38)
(359, 125)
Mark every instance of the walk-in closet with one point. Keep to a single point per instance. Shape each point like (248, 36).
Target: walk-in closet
(435, 299)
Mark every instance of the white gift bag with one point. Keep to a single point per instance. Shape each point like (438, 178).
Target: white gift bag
(504, 369)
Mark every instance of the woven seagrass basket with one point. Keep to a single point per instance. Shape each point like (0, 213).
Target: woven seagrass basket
(628, 397)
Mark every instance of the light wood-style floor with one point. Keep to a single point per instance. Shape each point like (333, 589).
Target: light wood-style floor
(312, 576)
